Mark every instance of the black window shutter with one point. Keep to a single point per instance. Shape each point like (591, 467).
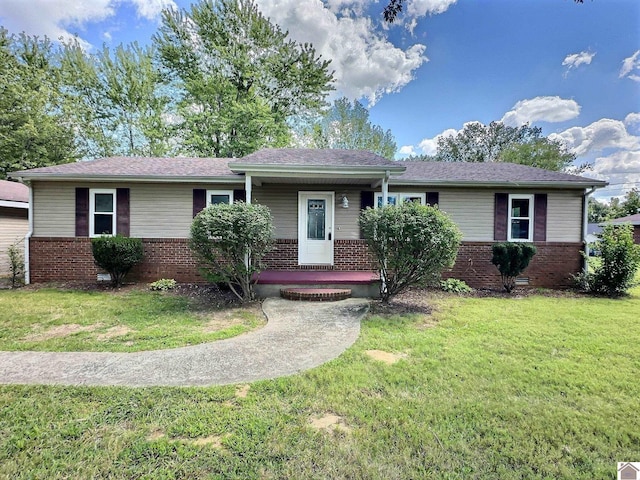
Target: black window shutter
(432, 198)
(82, 212)
(199, 200)
(122, 212)
(366, 200)
(239, 195)
(540, 217)
(501, 217)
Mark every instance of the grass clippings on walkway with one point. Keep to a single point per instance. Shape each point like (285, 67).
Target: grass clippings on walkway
(128, 320)
(529, 387)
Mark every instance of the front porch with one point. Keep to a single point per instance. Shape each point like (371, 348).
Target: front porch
(363, 284)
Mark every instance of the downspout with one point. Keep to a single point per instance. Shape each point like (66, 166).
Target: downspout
(585, 223)
(27, 238)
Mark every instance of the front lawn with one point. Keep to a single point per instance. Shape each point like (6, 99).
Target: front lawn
(534, 387)
(116, 321)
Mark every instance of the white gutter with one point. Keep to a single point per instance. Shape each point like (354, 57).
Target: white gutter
(585, 224)
(13, 204)
(27, 238)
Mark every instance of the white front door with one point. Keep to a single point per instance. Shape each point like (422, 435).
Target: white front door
(315, 228)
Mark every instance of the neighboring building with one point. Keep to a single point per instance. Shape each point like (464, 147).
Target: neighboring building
(315, 197)
(593, 230)
(631, 220)
(14, 219)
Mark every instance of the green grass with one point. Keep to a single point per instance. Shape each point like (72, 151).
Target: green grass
(536, 387)
(69, 320)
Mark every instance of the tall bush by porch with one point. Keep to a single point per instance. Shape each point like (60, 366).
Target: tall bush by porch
(412, 245)
(230, 241)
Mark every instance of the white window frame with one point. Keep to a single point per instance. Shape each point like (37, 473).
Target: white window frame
(400, 197)
(219, 192)
(92, 211)
(520, 196)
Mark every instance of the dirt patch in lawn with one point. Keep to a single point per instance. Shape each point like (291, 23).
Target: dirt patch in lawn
(329, 422)
(385, 357)
(60, 331)
(222, 319)
(242, 391)
(113, 332)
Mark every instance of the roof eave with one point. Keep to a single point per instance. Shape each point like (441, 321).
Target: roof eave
(14, 204)
(476, 183)
(132, 178)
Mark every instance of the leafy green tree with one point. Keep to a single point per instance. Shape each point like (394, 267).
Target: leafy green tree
(620, 260)
(477, 142)
(347, 125)
(631, 204)
(239, 78)
(116, 101)
(412, 245)
(511, 259)
(33, 130)
(230, 241)
(117, 255)
(599, 211)
(539, 152)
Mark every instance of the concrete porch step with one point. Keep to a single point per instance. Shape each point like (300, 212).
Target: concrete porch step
(316, 294)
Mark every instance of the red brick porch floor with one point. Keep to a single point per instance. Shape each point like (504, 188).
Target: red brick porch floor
(316, 277)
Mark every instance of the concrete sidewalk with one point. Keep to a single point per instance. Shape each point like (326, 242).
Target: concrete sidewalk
(298, 336)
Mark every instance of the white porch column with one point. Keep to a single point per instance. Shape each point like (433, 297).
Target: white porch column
(247, 188)
(385, 188)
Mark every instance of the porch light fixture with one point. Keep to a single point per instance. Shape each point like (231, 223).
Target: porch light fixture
(345, 201)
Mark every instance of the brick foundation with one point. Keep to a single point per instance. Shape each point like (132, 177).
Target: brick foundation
(70, 259)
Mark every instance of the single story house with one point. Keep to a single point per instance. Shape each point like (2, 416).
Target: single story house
(14, 219)
(315, 197)
(630, 220)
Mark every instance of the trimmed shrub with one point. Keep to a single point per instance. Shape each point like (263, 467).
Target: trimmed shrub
(511, 258)
(620, 259)
(117, 255)
(412, 245)
(230, 242)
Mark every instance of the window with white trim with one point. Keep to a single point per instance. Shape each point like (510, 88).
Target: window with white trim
(102, 211)
(214, 197)
(520, 224)
(395, 198)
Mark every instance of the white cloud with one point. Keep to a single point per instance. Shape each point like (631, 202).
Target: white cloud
(546, 109)
(62, 19)
(630, 65)
(633, 120)
(605, 133)
(429, 146)
(420, 8)
(407, 150)
(576, 59)
(621, 169)
(366, 64)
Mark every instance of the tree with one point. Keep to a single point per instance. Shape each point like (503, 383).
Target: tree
(631, 203)
(116, 101)
(347, 125)
(539, 152)
(620, 259)
(238, 77)
(511, 259)
(411, 243)
(33, 130)
(598, 211)
(230, 242)
(477, 142)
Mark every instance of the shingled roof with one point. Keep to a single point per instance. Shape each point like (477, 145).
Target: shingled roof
(492, 173)
(632, 219)
(133, 167)
(315, 157)
(14, 192)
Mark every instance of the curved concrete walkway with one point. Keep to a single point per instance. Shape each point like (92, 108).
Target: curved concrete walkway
(298, 336)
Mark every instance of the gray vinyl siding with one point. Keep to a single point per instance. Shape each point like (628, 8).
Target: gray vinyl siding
(164, 210)
(14, 225)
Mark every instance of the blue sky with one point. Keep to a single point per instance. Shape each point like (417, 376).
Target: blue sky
(572, 69)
